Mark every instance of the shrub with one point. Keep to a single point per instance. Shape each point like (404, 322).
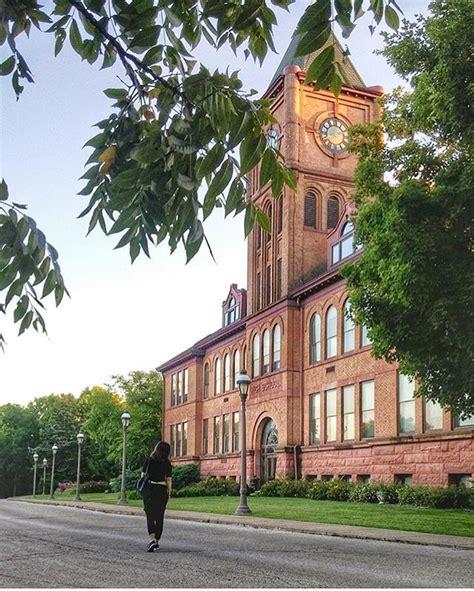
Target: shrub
(210, 487)
(93, 486)
(318, 490)
(452, 497)
(131, 477)
(387, 493)
(363, 493)
(338, 490)
(285, 487)
(64, 485)
(134, 495)
(185, 475)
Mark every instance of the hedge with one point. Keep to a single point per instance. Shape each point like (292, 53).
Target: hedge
(210, 487)
(458, 497)
(184, 475)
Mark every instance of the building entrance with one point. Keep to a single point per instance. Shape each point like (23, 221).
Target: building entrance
(268, 451)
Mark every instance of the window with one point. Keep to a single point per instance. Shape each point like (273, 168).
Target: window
(348, 413)
(276, 350)
(331, 415)
(173, 389)
(206, 380)
(266, 352)
(280, 215)
(315, 339)
(205, 436)
(331, 332)
(460, 480)
(279, 288)
(364, 336)
(236, 366)
(433, 416)
(185, 385)
(226, 373)
(406, 404)
(465, 422)
(268, 286)
(310, 210)
(367, 409)
(315, 419)
(178, 439)
(173, 440)
(179, 396)
(232, 313)
(346, 245)
(184, 445)
(256, 356)
(348, 343)
(333, 212)
(235, 431)
(226, 435)
(406, 479)
(217, 377)
(365, 478)
(217, 434)
(258, 291)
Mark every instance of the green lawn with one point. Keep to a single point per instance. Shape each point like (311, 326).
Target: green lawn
(456, 522)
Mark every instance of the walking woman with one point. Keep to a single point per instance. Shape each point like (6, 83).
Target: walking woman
(157, 491)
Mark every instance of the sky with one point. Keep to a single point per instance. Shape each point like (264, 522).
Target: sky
(120, 317)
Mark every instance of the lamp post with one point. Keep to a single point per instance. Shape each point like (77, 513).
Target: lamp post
(35, 458)
(125, 422)
(80, 439)
(54, 449)
(45, 465)
(243, 382)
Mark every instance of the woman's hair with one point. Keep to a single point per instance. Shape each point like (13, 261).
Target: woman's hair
(161, 451)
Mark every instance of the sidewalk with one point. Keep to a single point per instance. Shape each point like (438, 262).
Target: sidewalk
(324, 529)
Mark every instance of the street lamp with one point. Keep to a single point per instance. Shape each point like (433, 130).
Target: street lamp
(35, 458)
(54, 449)
(125, 422)
(45, 465)
(80, 439)
(243, 382)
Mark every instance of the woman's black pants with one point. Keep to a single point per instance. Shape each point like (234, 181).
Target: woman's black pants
(155, 499)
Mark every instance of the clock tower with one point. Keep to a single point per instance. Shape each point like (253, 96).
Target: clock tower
(311, 135)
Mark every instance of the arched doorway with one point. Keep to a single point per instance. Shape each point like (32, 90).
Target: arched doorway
(269, 443)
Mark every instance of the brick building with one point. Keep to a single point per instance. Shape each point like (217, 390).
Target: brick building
(319, 405)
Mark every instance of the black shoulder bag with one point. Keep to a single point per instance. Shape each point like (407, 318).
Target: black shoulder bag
(143, 480)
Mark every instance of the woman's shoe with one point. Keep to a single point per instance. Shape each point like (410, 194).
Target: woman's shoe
(152, 545)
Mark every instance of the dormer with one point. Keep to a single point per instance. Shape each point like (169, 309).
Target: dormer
(341, 241)
(235, 306)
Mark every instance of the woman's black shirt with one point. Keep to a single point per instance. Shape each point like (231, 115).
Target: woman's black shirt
(158, 470)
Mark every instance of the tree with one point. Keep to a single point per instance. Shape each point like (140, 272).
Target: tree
(100, 411)
(143, 393)
(165, 158)
(413, 286)
(18, 436)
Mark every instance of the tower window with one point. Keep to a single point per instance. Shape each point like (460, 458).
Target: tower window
(310, 210)
(333, 212)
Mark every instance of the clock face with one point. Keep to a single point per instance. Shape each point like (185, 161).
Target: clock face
(273, 138)
(334, 135)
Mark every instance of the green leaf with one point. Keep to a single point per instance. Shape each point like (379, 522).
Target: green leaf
(15, 290)
(3, 190)
(320, 65)
(313, 40)
(391, 18)
(134, 248)
(25, 323)
(250, 153)
(21, 308)
(218, 184)
(75, 38)
(49, 284)
(211, 161)
(264, 221)
(146, 38)
(153, 55)
(250, 214)
(7, 66)
(318, 12)
(267, 166)
(116, 93)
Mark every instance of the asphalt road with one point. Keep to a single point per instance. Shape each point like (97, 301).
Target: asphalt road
(46, 546)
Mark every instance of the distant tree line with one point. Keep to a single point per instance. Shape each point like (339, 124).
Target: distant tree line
(58, 418)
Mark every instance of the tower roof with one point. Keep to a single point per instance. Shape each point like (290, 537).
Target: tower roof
(350, 76)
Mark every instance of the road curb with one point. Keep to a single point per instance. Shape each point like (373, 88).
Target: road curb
(324, 529)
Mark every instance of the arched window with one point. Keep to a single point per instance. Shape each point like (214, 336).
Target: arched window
(236, 366)
(266, 352)
(280, 214)
(310, 210)
(217, 377)
(267, 236)
(333, 212)
(256, 356)
(315, 339)
(226, 373)
(348, 342)
(331, 332)
(244, 362)
(232, 313)
(347, 228)
(206, 380)
(276, 348)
